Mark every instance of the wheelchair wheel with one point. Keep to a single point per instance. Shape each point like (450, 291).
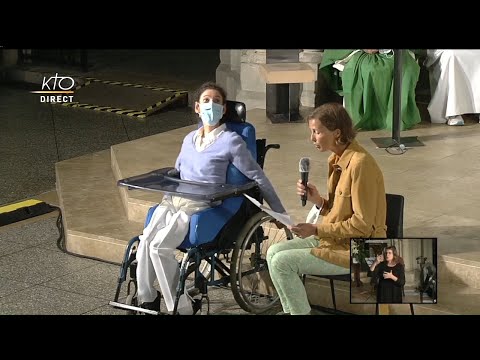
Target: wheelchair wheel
(131, 283)
(131, 300)
(251, 284)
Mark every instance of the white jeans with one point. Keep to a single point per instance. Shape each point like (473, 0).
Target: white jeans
(156, 251)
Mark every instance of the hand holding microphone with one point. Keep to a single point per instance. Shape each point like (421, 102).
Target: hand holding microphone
(305, 190)
(304, 169)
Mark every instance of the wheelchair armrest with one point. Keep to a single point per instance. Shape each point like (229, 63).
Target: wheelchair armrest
(262, 149)
(272, 146)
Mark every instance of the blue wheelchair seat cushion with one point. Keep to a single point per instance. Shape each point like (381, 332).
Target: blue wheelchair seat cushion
(206, 224)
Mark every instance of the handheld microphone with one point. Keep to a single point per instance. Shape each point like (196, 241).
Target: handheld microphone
(304, 168)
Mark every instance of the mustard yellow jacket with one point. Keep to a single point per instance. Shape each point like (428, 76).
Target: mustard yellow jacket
(356, 205)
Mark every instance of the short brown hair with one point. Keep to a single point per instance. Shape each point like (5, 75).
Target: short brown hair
(334, 116)
(213, 86)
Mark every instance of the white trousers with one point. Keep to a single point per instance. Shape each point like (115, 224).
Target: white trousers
(156, 251)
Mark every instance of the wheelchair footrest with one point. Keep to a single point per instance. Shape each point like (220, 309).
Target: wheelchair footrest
(133, 308)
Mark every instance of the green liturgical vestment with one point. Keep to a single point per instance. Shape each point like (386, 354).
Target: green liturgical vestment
(366, 83)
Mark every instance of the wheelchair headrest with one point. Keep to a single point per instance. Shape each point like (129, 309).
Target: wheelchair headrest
(236, 111)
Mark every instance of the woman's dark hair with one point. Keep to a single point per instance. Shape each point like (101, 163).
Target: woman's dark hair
(212, 86)
(396, 259)
(334, 116)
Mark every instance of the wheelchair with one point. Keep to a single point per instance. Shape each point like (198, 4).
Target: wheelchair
(226, 244)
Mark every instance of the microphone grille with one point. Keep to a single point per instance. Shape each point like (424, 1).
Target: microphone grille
(304, 164)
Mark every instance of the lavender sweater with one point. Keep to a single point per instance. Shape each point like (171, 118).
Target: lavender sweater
(210, 165)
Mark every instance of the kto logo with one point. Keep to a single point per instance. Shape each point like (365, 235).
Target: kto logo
(56, 85)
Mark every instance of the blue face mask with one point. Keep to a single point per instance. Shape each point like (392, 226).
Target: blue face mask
(211, 113)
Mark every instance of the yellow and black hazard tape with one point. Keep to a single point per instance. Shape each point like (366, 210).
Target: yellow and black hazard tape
(83, 85)
(23, 210)
(155, 88)
(128, 112)
(160, 104)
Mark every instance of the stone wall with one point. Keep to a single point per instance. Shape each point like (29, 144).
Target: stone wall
(239, 73)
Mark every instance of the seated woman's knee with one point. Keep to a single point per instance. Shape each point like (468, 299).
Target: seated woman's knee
(272, 250)
(283, 261)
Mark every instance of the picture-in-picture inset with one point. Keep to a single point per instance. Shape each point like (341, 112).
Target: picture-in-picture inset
(393, 271)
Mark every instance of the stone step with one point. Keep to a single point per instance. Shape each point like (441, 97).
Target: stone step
(461, 269)
(453, 299)
(141, 156)
(94, 218)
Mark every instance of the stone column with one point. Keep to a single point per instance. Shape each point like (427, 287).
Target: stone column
(228, 72)
(252, 91)
(409, 250)
(9, 57)
(239, 74)
(312, 57)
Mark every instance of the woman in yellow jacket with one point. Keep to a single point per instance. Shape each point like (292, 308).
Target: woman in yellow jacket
(355, 207)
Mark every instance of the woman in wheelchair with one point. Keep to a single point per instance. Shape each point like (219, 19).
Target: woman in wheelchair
(356, 207)
(204, 157)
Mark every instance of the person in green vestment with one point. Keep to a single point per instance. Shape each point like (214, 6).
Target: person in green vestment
(364, 77)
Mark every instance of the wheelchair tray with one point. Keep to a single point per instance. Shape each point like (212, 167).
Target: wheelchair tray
(159, 180)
